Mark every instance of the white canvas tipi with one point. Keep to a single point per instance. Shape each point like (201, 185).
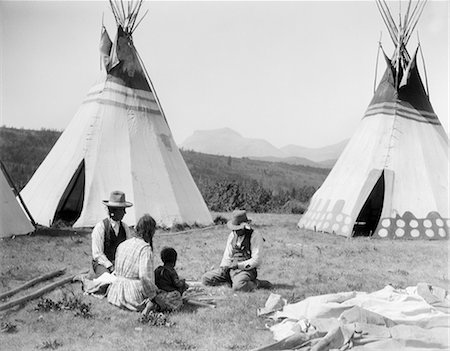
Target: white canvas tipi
(392, 179)
(119, 139)
(13, 220)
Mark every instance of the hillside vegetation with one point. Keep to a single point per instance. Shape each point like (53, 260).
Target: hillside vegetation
(225, 182)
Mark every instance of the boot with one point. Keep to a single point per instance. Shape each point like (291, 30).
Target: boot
(263, 284)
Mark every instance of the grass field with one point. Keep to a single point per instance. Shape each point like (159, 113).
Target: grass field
(299, 263)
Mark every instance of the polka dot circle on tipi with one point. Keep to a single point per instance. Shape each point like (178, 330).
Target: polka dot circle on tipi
(386, 222)
(448, 222)
(439, 222)
(400, 223)
(415, 233)
(347, 220)
(335, 227)
(383, 232)
(399, 232)
(339, 218)
(429, 233)
(326, 225)
(427, 224)
(413, 223)
(345, 229)
(441, 232)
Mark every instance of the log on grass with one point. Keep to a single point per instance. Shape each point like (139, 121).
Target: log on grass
(198, 303)
(37, 293)
(32, 282)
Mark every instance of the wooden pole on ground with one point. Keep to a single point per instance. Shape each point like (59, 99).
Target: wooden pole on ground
(32, 282)
(37, 293)
(198, 303)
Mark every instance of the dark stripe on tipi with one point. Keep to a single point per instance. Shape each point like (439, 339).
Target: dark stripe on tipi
(125, 68)
(409, 100)
(120, 92)
(126, 107)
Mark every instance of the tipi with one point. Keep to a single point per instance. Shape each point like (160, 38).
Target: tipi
(13, 220)
(119, 139)
(392, 179)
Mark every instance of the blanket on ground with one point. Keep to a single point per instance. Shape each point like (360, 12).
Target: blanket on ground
(391, 319)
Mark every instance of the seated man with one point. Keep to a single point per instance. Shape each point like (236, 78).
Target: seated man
(109, 233)
(241, 257)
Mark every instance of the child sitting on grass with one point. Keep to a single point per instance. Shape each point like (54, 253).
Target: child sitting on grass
(166, 277)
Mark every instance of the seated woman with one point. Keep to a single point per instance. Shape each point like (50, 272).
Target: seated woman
(135, 288)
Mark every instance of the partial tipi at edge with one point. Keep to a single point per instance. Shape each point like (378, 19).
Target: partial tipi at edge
(119, 139)
(13, 220)
(392, 179)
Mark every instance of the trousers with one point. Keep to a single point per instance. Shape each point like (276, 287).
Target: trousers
(240, 280)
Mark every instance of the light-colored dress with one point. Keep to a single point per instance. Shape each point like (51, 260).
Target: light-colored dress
(135, 278)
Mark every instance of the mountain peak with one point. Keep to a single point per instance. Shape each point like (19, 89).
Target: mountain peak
(226, 141)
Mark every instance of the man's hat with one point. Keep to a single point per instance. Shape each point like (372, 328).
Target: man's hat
(117, 199)
(239, 220)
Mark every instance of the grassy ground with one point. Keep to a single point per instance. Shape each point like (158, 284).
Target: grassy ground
(299, 263)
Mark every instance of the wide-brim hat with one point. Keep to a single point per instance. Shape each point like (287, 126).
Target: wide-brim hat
(239, 220)
(117, 199)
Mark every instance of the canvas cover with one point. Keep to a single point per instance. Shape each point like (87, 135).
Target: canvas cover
(400, 145)
(13, 220)
(119, 139)
(415, 318)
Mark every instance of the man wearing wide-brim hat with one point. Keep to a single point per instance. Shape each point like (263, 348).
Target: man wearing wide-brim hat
(241, 258)
(109, 233)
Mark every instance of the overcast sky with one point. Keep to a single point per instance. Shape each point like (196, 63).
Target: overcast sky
(298, 72)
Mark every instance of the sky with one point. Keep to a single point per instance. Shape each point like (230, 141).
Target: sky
(295, 72)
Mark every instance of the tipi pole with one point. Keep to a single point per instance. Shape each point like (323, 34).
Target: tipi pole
(376, 66)
(16, 192)
(386, 21)
(413, 26)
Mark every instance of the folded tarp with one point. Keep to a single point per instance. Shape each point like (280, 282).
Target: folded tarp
(398, 319)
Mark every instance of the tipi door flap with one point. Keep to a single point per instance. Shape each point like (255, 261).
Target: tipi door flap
(71, 201)
(365, 191)
(388, 193)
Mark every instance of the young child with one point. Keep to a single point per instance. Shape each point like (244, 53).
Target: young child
(166, 277)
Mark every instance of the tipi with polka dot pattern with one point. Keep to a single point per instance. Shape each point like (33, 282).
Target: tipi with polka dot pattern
(392, 179)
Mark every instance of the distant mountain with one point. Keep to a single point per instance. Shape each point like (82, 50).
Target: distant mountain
(228, 142)
(330, 152)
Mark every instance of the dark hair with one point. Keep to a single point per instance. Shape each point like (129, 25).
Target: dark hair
(145, 228)
(169, 255)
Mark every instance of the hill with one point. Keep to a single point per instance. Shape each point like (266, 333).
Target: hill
(225, 182)
(326, 153)
(228, 142)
